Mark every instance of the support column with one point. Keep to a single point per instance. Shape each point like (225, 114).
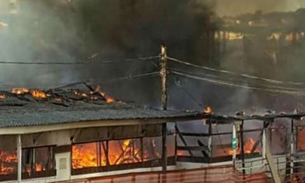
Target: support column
(234, 144)
(264, 141)
(242, 146)
(164, 147)
(210, 139)
(19, 162)
(291, 148)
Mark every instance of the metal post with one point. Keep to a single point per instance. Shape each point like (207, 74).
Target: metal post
(176, 142)
(291, 148)
(19, 155)
(164, 147)
(242, 146)
(210, 139)
(163, 74)
(234, 144)
(264, 141)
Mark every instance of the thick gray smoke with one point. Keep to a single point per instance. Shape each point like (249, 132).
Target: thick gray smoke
(95, 31)
(237, 7)
(39, 31)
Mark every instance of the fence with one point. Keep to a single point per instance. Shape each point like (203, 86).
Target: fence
(203, 175)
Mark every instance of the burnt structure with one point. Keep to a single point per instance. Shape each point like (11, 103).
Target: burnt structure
(58, 133)
(66, 134)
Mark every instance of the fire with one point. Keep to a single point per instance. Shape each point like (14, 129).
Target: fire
(248, 146)
(80, 94)
(126, 152)
(2, 96)
(120, 152)
(108, 99)
(20, 91)
(7, 162)
(84, 155)
(38, 94)
(208, 110)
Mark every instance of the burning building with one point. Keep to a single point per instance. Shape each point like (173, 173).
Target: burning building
(84, 135)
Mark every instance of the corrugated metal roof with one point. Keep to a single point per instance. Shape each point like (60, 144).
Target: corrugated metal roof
(36, 113)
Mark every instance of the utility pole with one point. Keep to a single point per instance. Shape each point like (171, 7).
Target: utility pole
(163, 75)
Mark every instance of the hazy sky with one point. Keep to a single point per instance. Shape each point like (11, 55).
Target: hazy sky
(235, 7)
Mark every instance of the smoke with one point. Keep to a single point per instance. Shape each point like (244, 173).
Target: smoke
(40, 31)
(237, 7)
(95, 31)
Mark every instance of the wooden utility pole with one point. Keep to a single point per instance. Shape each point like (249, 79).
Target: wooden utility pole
(163, 75)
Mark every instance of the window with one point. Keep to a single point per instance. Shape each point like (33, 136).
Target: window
(8, 162)
(119, 154)
(38, 162)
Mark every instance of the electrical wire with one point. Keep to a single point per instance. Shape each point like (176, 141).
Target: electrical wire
(225, 83)
(79, 63)
(188, 93)
(233, 73)
(105, 82)
(130, 77)
(240, 80)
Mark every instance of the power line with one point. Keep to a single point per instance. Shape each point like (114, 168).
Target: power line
(105, 82)
(237, 79)
(128, 60)
(236, 74)
(130, 77)
(43, 63)
(188, 93)
(79, 63)
(224, 83)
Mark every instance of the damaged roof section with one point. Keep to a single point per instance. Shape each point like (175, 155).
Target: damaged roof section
(25, 107)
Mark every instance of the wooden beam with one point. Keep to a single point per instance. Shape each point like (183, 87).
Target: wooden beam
(182, 139)
(266, 124)
(204, 153)
(192, 148)
(190, 134)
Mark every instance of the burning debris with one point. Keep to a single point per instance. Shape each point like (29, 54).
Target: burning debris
(57, 96)
(208, 110)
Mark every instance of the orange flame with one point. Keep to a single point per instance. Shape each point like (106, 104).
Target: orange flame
(38, 94)
(248, 146)
(85, 155)
(2, 96)
(208, 110)
(80, 94)
(20, 91)
(108, 99)
(7, 159)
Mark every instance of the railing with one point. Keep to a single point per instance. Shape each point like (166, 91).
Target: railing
(288, 173)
